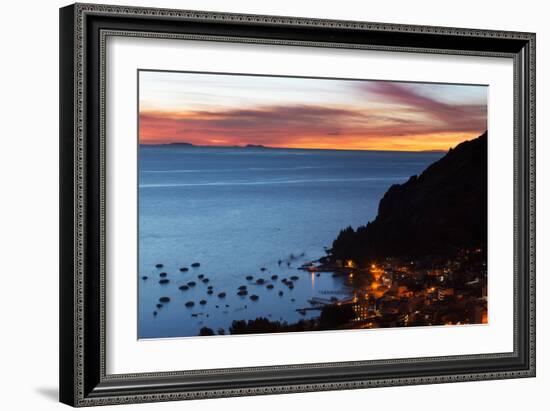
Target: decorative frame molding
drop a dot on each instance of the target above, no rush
(84, 29)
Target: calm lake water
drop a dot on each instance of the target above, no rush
(236, 210)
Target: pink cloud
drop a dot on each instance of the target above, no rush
(458, 117)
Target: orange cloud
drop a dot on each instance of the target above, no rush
(418, 124)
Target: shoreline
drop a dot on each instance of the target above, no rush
(365, 309)
(394, 293)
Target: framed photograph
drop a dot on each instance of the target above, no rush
(261, 204)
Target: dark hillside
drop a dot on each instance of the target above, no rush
(438, 212)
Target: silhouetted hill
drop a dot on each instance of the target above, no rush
(181, 144)
(438, 212)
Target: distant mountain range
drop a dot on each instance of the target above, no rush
(185, 144)
(441, 210)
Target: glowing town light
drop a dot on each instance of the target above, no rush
(350, 264)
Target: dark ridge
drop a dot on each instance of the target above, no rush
(437, 213)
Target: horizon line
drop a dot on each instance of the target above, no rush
(183, 143)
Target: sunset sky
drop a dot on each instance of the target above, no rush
(227, 110)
